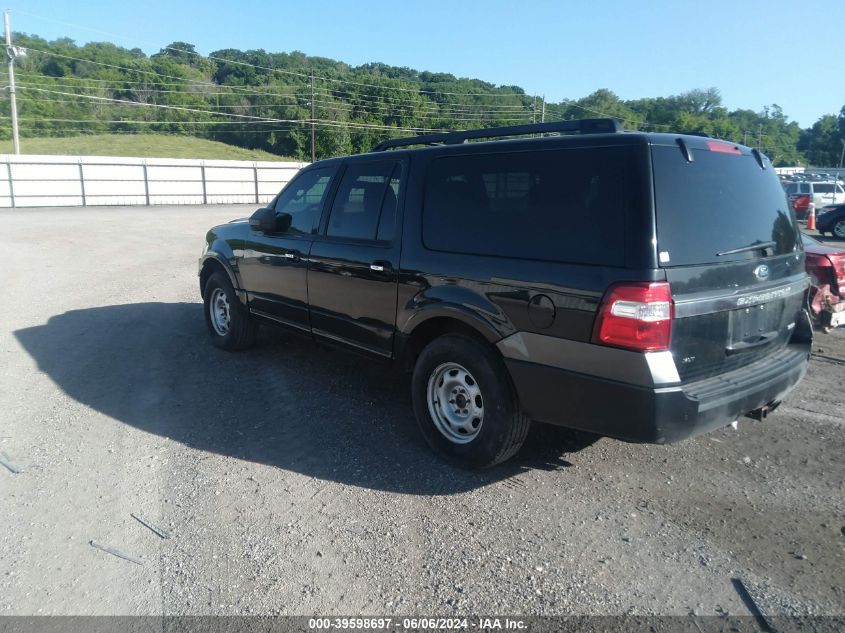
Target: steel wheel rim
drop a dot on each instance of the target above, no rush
(455, 403)
(218, 309)
(839, 228)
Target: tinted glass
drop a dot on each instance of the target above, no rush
(821, 187)
(717, 203)
(565, 205)
(387, 219)
(303, 199)
(793, 188)
(359, 199)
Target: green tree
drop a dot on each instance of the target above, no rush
(822, 142)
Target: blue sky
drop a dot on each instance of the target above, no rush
(756, 53)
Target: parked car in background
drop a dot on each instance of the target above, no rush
(826, 267)
(831, 219)
(800, 205)
(821, 193)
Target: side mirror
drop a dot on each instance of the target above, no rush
(267, 220)
(283, 221)
(263, 220)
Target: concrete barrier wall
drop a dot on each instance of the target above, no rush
(55, 181)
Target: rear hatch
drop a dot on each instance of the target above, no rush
(730, 248)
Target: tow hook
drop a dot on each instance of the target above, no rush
(759, 414)
(763, 412)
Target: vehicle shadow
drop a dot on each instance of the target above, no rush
(287, 403)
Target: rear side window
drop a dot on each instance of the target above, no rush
(716, 203)
(387, 221)
(823, 188)
(564, 205)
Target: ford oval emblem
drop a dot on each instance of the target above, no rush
(762, 272)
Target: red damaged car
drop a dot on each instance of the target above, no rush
(826, 267)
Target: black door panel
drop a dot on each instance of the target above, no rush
(350, 301)
(275, 275)
(353, 270)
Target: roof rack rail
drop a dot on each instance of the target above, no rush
(584, 126)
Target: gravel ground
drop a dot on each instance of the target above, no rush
(291, 479)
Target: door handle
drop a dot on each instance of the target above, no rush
(742, 346)
(292, 255)
(381, 267)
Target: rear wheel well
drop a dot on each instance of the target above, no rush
(209, 267)
(429, 330)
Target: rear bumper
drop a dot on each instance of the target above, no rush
(638, 413)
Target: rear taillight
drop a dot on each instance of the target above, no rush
(838, 261)
(636, 315)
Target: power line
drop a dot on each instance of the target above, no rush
(88, 132)
(447, 106)
(480, 118)
(334, 92)
(454, 114)
(385, 110)
(321, 122)
(157, 105)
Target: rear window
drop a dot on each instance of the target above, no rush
(564, 205)
(717, 203)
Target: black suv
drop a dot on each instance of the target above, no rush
(647, 287)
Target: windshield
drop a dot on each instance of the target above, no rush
(715, 204)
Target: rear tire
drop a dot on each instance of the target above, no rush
(838, 229)
(465, 405)
(228, 321)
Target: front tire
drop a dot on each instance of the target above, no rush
(838, 229)
(228, 321)
(465, 405)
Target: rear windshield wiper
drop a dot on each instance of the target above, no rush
(755, 246)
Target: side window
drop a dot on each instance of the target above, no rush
(303, 199)
(387, 218)
(567, 205)
(360, 198)
(823, 188)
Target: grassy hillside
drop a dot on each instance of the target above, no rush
(141, 145)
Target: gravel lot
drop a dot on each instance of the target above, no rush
(291, 478)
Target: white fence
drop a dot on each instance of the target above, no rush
(49, 181)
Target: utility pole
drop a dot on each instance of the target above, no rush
(842, 155)
(11, 53)
(534, 110)
(313, 129)
(543, 110)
